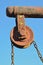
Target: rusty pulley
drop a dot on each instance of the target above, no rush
(21, 35)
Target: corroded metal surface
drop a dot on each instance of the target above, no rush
(22, 43)
(34, 12)
(21, 35)
(20, 24)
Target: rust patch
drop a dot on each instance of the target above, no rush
(22, 43)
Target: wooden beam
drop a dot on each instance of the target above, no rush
(28, 12)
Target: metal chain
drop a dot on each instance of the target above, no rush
(38, 52)
(12, 54)
(36, 47)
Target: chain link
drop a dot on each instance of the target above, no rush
(38, 52)
(12, 54)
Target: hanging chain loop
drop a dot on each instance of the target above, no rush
(36, 47)
(38, 52)
(12, 54)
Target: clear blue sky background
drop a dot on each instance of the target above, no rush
(26, 56)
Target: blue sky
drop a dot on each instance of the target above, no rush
(26, 56)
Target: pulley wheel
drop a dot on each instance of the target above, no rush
(21, 43)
